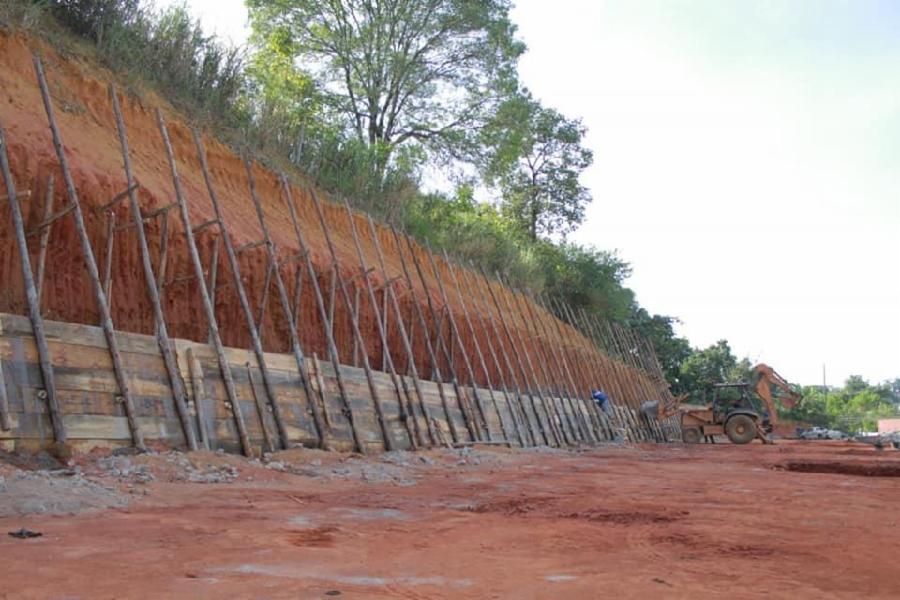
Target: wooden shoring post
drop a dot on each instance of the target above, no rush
(610, 334)
(176, 384)
(592, 355)
(454, 334)
(528, 381)
(568, 385)
(44, 241)
(438, 341)
(556, 360)
(516, 409)
(298, 292)
(196, 374)
(5, 423)
(590, 325)
(233, 403)
(264, 301)
(626, 366)
(163, 263)
(507, 434)
(557, 428)
(354, 324)
(284, 302)
(627, 356)
(332, 295)
(624, 390)
(235, 269)
(588, 356)
(579, 365)
(333, 355)
(572, 365)
(213, 277)
(621, 389)
(108, 256)
(260, 411)
(401, 388)
(538, 346)
(639, 355)
(355, 354)
(385, 315)
(461, 399)
(90, 262)
(663, 384)
(410, 361)
(432, 357)
(407, 343)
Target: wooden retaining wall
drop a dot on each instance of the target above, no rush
(93, 414)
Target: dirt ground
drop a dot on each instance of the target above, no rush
(634, 522)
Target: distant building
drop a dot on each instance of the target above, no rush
(888, 425)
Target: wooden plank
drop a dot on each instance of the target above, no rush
(79, 335)
(94, 427)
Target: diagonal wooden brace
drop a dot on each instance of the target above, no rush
(117, 198)
(47, 222)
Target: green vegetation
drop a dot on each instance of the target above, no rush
(856, 406)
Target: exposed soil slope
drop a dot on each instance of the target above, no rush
(85, 117)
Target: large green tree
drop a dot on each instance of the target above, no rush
(536, 156)
(394, 72)
(714, 364)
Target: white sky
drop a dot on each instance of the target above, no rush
(747, 163)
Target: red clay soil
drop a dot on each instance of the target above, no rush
(84, 113)
(658, 521)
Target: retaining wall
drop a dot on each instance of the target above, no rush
(93, 415)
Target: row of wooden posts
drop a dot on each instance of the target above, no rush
(549, 362)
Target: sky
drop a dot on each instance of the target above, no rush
(746, 164)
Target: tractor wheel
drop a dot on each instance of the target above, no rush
(690, 435)
(740, 429)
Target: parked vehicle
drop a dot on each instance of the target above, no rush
(822, 433)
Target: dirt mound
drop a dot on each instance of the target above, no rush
(864, 469)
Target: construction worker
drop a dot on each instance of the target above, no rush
(602, 401)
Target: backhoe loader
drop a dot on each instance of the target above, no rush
(734, 410)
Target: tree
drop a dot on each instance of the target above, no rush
(671, 349)
(400, 71)
(711, 365)
(585, 277)
(536, 157)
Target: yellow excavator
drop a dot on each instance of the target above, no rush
(733, 411)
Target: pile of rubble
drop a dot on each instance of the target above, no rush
(58, 491)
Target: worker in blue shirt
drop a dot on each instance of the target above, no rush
(602, 401)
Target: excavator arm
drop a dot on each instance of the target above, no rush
(766, 378)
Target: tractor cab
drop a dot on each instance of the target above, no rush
(736, 398)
